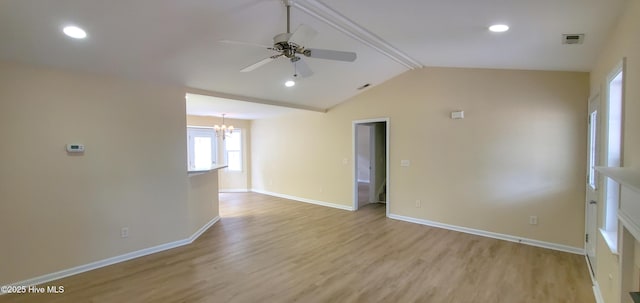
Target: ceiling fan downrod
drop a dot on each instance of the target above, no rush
(288, 18)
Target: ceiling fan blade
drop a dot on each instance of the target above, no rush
(302, 35)
(259, 63)
(330, 54)
(244, 43)
(302, 69)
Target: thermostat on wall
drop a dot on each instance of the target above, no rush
(75, 148)
(457, 115)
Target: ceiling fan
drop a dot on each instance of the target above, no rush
(292, 45)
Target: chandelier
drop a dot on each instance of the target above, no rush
(223, 130)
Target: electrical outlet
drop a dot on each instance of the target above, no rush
(533, 220)
(418, 204)
(124, 232)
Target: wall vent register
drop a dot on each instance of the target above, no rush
(572, 38)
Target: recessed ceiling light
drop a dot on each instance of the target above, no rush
(290, 83)
(74, 32)
(499, 28)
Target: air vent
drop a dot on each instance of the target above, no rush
(572, 38)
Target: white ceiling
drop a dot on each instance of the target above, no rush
(179, 41)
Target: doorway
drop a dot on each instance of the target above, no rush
(591, 206)
(605, 130)
(371, 159)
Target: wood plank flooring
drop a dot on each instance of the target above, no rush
(267, 249)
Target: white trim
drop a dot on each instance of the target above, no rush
(611, 238)
(202, 229)
(629, 223)
(117, 259)
(234, 190)
(629, 177)
(532, 242)
(305, 200)
(597, 293)
(338, 21)
(596, 287)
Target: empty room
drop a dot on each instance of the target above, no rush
(320, 151)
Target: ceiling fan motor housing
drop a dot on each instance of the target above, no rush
(282, 38)
(281, 43)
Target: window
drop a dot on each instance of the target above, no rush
(201, 148)
(593, 126)
(613, 156)
(233, 150)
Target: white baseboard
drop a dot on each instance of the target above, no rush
(117, 259)
(202, 229)
(234, 190)
(594, 283)
(543, 244)
(596, 293)
(305, 200)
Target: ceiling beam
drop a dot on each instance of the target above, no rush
(338, 21)
(209, 93)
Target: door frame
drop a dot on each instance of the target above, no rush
(365, 132)
(372, 164)
(354, 142)
(591, 208)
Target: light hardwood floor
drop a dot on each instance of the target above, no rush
(267, 249)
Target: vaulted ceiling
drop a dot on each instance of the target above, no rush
(181, 42)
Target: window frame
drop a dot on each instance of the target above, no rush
(240, 136)
(610, 193)
(200, 131)
(593, 148)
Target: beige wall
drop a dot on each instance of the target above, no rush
(230, 180)
(58, 210)
(623, 42)
(203, 200)
(520, 150)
